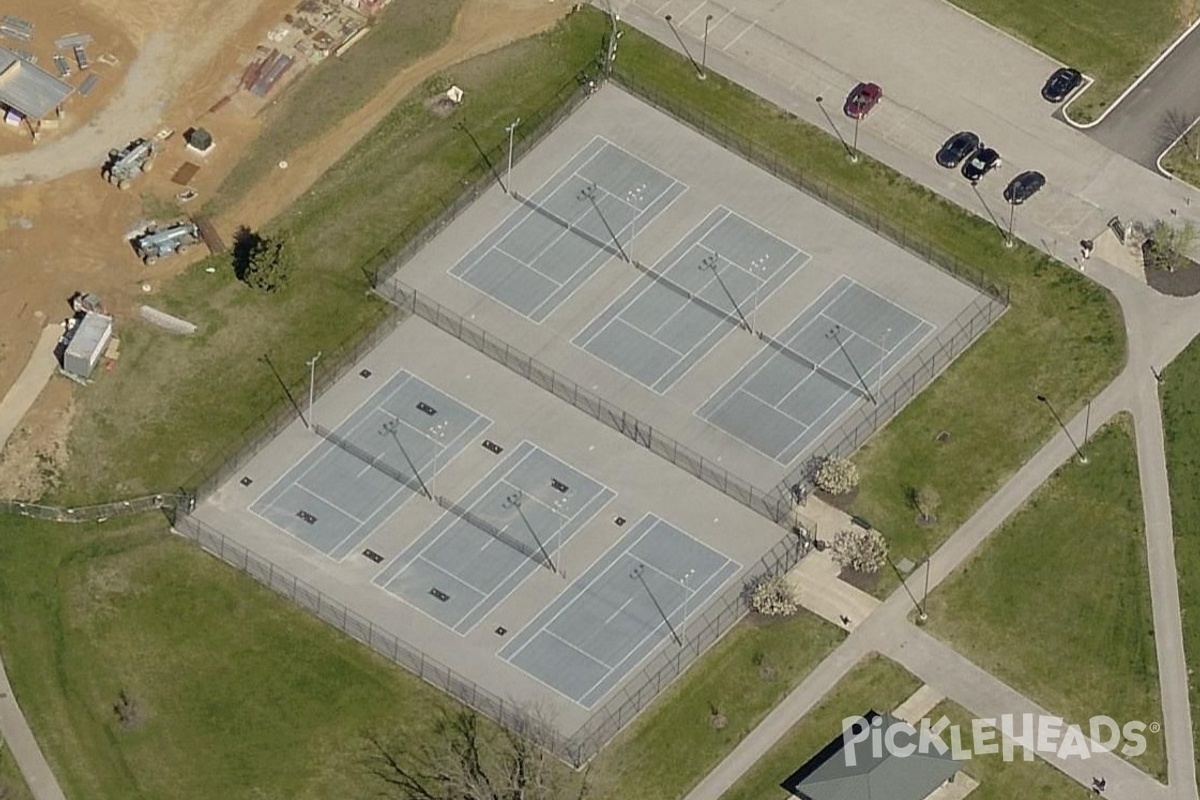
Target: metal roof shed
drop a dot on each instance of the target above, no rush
(28, 89)
(87, 344)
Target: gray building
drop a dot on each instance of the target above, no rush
(828, 775)
(29, 90)
(88, 340)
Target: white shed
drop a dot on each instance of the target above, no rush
(87, 344)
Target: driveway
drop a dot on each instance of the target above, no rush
(1158, 110)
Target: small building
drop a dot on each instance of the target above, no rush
(833, 775)
(29, 91)
(88, 340)
(198, 139)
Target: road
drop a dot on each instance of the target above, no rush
(1158, 109)
(790, 54)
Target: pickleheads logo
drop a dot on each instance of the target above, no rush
(869, 739)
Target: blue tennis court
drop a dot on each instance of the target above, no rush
(512, 523)
(360, 473)
(555, 240)
(632, 600)
(835, 354)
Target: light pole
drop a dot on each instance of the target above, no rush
(854, 155)
(1012, 213)
(671, 24)
(508, 175)
(833, 334)
(312, 376)
(851, 153)
(438, 434)
(1046, 401)
(704, 52)
(638, 574)
(687, 593)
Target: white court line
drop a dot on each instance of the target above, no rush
(733, 41)
(579, 650)
(529, 266)
(620, 610)
(416, 607)
(322, 498)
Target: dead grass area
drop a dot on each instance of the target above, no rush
(35, 457)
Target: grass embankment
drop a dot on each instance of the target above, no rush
(177, 407)
(1183, 160)
(1181, 424)
(404, 32)
(1062, 337)
(243, 695)
(1057, 601)
(1101, 38)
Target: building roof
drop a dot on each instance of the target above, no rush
(913, 777)
(30, 89)
(89, 334)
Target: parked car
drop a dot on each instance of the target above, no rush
(1064, 81)
(959, 146)
(1023, 187)
(983, 161)
(860, 101)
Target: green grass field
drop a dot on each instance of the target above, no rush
(1181, 424)
(874, 684)
(1102, 38)
(177, 407)
(12, 785)
(1183, 160)
(1063, 336)
(673, 745)
(400, 36)
(1057, 601)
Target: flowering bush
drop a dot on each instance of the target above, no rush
(859, 550)
(774, 597)
(837, 476)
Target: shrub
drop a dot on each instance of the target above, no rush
(837, 476)
(774, 597)
(859, 550)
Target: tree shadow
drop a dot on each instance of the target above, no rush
(244, 242)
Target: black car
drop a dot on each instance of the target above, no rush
(1023, 187)
(1064, 81)
(957, 147)
(983, 161)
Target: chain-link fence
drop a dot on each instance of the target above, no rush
(700, 633)
(775, 506)
(96, 513)
(781, 167)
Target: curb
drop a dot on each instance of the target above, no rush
(1128, 89)
(1158, 161)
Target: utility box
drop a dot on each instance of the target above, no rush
(87, 344)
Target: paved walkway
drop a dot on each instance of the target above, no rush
(24, 393)
(789, 53)
(24, 747)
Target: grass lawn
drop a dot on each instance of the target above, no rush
(176, 407)
(1099, 37)
(1001, 780)
(12, 784)
(673, 745)
(240, 694)
(1057, 602)
(875, 684)
(1181, 423)
(1183, 160)
(401, 35)
(1063, 337)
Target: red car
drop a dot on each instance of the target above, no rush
(860, 102)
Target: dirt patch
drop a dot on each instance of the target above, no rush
(482, 26)
(1182, 282)
(36, 454)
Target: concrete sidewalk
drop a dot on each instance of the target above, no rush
(24, 747)
(30, 382)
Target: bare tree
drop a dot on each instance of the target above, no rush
(1178, 126)
(465, 760)
(1170, 246)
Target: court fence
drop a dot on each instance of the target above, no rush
(770, 160)
(96, 513)
(713, 621)
(775, 506)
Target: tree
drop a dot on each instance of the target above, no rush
(262, 262)
(774, 596)
(860, 550)
(837, 476)
(1169, 246)
(466, 760)
(927, 501)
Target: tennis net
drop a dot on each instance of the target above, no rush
(780, 347)
(377, 463)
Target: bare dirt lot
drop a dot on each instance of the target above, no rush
(66, 235)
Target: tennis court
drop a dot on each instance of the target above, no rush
(831, 356)
(359, 474)
(512, 523)
(554, 241)
(634, 598)
(707, 286)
